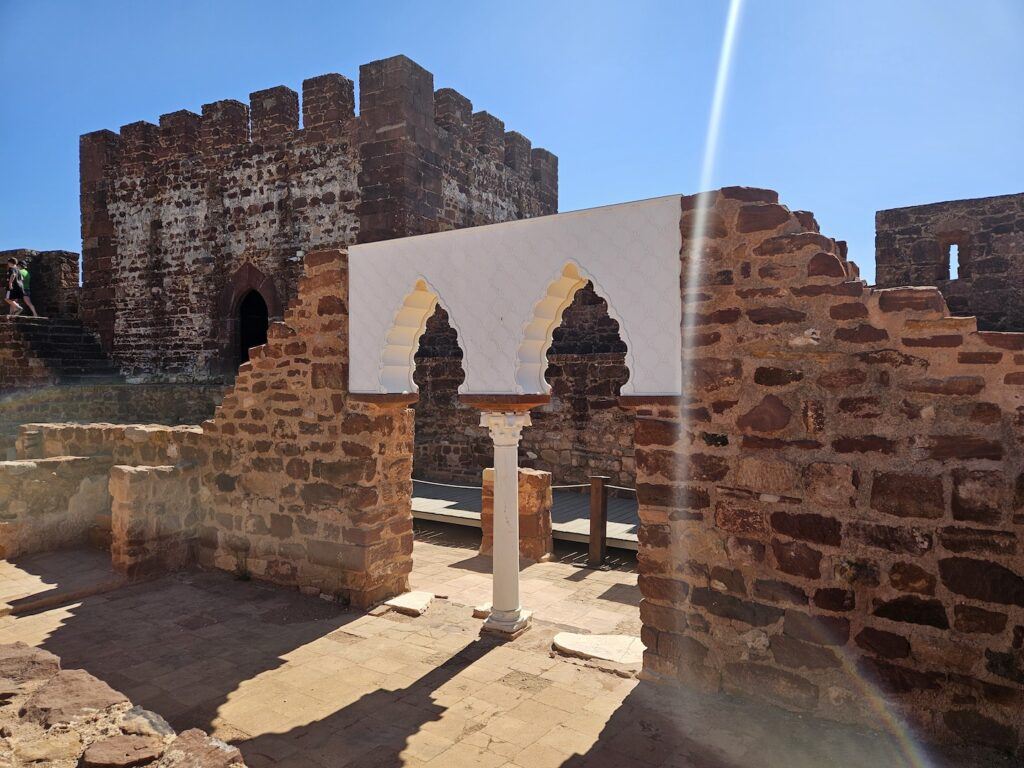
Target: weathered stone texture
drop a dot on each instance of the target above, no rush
(535, 541)
(181, 220)
(50, 503)
(55, 717)
(912, 247)
(841, 484)
(155, 515)
(292, 481)
(110, 403)
(302, 484)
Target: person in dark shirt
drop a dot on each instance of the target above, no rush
(13, 286)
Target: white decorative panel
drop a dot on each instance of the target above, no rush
(505, 287)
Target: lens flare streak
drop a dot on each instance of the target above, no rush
(912, 753)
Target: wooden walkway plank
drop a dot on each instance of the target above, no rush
(570, 516)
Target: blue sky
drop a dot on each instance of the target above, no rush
(843, 107)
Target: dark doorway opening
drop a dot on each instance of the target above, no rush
(253, 320)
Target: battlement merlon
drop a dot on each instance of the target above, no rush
(274, 115)
(224, 124)
(179, 134)
(396, 96)
(328, 106)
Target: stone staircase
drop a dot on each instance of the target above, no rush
(42, 350)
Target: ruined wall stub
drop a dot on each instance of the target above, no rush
(915, 246)
(306, 485)
(839, 499)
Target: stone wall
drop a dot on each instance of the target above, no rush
(304, 485)
(53, 286)
(135, 445)
(912, 247)
(50, 503)
(115, 403)
(582, 432)
(20, 368)
(292, 481)
(154, 518)
(148, 516)
(181, 220)
(839, 500)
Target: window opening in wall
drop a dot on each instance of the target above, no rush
(253, 320)
(954, 261)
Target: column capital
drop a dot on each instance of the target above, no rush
(506, 427)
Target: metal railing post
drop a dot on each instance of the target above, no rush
(598, 521)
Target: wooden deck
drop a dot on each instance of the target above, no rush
(570, 517)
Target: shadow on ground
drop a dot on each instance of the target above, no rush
(189, 645)
(681, 729)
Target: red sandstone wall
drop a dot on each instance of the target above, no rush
(180, 219)
(912, 247)
(854, 496)
(302, 485)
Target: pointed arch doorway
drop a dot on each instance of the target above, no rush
(253, 321)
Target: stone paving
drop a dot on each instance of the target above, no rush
(36, 581)
(561, 592)
(296, 681)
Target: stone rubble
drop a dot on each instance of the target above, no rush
(54, 718)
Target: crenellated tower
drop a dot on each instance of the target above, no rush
(183, 220)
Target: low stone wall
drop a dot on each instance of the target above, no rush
(50, 503)
(128, 444)
(147, 471)
(833, 519)
(116, 403)
(154, 518)
(66, 717)
(535, 502)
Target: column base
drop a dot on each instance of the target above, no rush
(507, 624)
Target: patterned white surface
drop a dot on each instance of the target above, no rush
(494, 282)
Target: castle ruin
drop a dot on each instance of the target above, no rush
(830, 493)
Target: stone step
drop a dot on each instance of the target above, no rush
(64, 347)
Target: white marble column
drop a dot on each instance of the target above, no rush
(507, 615)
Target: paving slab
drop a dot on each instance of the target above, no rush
(411, 603)
(622, 649)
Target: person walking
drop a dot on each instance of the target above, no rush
(13, 287)
(26, 278)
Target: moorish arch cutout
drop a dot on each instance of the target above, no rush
(547, 317)
(491, 278)
(398, 358)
